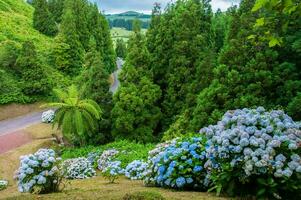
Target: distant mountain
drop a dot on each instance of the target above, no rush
(125, 19)
(129, 15)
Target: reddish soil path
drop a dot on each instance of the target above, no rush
(13, 140)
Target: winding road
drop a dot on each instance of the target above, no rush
(116, 84)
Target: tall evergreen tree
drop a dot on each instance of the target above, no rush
(42, 18)
(120, 48)
(100, 30)
(33, 78)
(250, 73)
(95, 85)
(56, 8)
(181, 54)
(68, 53)
(136, 114)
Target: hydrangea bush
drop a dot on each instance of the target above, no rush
(78, 168)
(106, 157)
(136, 170)
(3, 184)
(93, 157)
(112, 171)
(39, 172)
(179, 165)
(48, 116)
(256, 152)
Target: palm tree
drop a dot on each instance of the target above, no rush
(75, 117)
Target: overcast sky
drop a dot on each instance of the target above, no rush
(145, 6)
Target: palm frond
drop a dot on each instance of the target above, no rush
(96, 106)
(73, 92)
(67, 123)
(90, 108)
(79, 124)
(91, 122)
(61, 94)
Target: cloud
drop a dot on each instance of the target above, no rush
(117, 6)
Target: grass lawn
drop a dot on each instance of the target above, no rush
(98, 188)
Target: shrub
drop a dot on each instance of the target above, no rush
(106, 157)
(3, 184)
(112, 171)
(136, 170)
(48, 116)
(78, 168)
(39, 172)
(257, 152)
(145, 195)
(179, 165)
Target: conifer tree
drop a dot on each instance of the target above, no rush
(56, 8)
(120, 48)
(68, 53)
(42, 18)
(33, 77)
(100, 30)
(182, 50)
(250, 73)
(95, 85)
(136, 114)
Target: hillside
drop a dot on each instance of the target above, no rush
(16, 24)
(16, 28)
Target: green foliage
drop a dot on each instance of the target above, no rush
(56, 8)
(68, 52)
(270, 11)
(76, 118)
(134, 151)
(34, 79)
(120, 48)
(135, 113)
(293, 107)
(179, 40)
(145, 195)
(43, 21)
(95, 85)
(250, 73)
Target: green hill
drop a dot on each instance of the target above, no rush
(15, 28)
(16, 24)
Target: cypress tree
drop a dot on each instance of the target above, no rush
(182, 48)
(95, 85)
(120, 48)
(250, 73)
(136, 113)
(56, 8)
(68, 53)
(33, 78)
(42, 18)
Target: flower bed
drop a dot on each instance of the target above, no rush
(257, 153)
(38, 172)
(78, 168)
(112, 171)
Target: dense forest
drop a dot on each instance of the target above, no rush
(190, 67)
